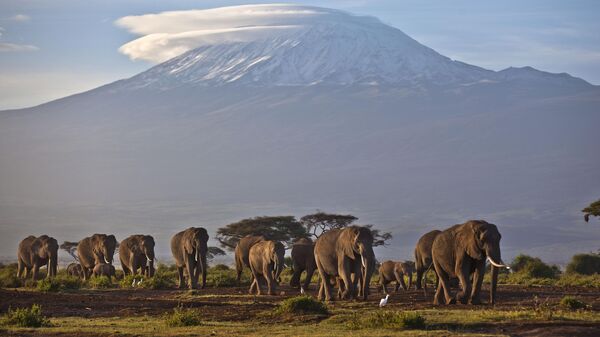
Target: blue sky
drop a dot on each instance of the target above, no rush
(50, 49)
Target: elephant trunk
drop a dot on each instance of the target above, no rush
(493, 284)
(199, 266)
(107, 257)
(52, 265)
(368, 263)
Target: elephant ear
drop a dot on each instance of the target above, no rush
(346, 241)
(188, 240)
(468, 234)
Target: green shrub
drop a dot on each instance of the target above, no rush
(585, 264)
(48, 285)
(100, 282)
(8, 276)
(158, 281)
(221, 278)
(220, 267)
(183, 317)
(127, 281)
(578, 280)
(534, 267)
(572, 303)
(387, 320)
(25, 317)
(302, 305)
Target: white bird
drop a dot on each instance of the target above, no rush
(302, 290)
(384, 301)
(133, 283)
(140, 282)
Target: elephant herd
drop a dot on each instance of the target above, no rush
(342, 257)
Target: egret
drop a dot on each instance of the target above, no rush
(302, 290)
(140, 282)
(384, 301)
(133, 283)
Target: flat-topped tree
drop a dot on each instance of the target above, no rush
(320, 222)
(592, 210)
(284, 229)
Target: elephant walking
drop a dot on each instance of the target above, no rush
(104, 269)
(423, 259)
(242, 251)
(461, 251)
(266, 259)
(36, 252)
(303, 259)
(137, 252)
(390, 271)
(189, 249)
(342, 252)
(98, 248)
(74, 269)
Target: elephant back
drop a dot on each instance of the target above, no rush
(25, 251)
(242, 249)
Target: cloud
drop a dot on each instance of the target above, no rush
(168, 34)
(20, 18)
(13, 47)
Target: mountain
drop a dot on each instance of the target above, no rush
(335, 112)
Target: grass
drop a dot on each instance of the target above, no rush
(59, 283)
(183, 317)
(100, 282)
(25, 317)
(387, 319)
(302, 305)
(572, 303)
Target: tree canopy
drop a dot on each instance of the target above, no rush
(285, 229)
(214, 252)
(71, 248)
(321, 222)
(592, 210)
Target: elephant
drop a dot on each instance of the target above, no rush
(189, 248)
(36, 252)
(242, 250)
(395, 271)
(104, 269)
(342, 252)
(423, 260)
(74, 269)
(98, 248)
(266, 260)
(461, 251)
(137, 251)
(303, 258)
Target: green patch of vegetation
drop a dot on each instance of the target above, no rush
(387, 320)
(570, 280)
(159, 281)
(59, 283)
(534, 267)
(220, 267)
(221, 278)
(572, 303)
(183, 317)
(584, 264)
(100, 282)
(302, 305)
(25, 317)
(8, 276)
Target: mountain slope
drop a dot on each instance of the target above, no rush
(342, 114)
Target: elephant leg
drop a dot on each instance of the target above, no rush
(309, 275)
(320, 294)
(204, 267)
(420, 276)
(181, 279)
(477, 281)
(325, 282)
(409, 281)
(20, 269)
(443, 285)
(399, 280)
(465, 283)
(344, 272)
(269, 279)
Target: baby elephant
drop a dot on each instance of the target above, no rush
(75, 269)
(390, 271)
(266, 263)
(104, 269)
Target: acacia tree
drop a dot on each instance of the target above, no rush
(71, 248)
(214, 252)
(592, 210)
(285, 229)
(320, 222)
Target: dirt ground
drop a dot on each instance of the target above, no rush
(234, 304)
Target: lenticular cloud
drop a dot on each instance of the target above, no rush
(168, 34)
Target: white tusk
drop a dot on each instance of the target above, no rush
(498, 265)
(149, 259)
(364, 263)
(105, 260)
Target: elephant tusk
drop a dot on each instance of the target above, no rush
(105, 260)
(364, 263)
(498, 265)
(149, 259)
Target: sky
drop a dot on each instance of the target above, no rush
(51, 49)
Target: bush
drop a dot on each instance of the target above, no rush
(578, 280)
(220, 267)
(387, 320)
(8, 276)
(183, 317)
(100, 282)
(158, 281)
(48, 285)
(572, 303)
(585, 264)
(302, 305)
(534, 267)
(221, 278)
(25, 317)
